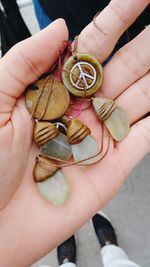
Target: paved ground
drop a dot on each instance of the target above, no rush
(130, 214)
(129, 211)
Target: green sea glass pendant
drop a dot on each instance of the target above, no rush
(55, 189)
(115, 118)
(57, 147)
(87, 148)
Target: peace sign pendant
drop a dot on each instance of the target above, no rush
(82, 75)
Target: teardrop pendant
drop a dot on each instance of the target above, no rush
(77, 131)
(57, 147)
(44, 131)
(87, 148)
(83, 145)
(114, 117)
(44, 168)
(51, 181)
(55, 189)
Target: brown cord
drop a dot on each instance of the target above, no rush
(64, 163)
(38, 97)
(75, 109)
(49, 93)
(95, 23)
(74, 51)
(62, 46)
(51, 72)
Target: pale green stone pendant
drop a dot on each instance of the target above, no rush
(85, 149)
(118, 124)
(114, 117)
(55, 189)
(57, 147)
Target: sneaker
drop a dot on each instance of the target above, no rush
(66, 252)
(104, 230)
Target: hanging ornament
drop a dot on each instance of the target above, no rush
(44, 168)
(44, 131)
(77, 131)
(56, 189)
(83, 145)
(51, 181)
(88, 148)
(58, 147)
(52, 142)
(82, 75)
(114, 117)
(47, 99)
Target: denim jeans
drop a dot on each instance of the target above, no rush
(42, 18)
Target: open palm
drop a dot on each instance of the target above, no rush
(29, 225)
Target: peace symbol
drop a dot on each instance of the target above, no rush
(83, 80)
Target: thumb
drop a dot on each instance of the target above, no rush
(28, 60)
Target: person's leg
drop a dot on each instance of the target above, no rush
(66, 253)
(42, 18)
(68, 264)
(112, 254)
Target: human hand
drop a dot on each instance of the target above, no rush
(30, 222)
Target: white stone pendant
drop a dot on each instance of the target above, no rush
(86, 149)
(55, 189)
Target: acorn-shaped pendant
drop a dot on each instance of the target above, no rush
(51, 141)
(51, 181)
(44, 131)
(114, 117)
(83, 145)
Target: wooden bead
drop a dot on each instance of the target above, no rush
(50, 98)
(44, 131)
(83, 75)
(77, 131)
(44, 168)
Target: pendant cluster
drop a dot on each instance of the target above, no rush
(60, 137)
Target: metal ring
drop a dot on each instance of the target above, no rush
(62, 125)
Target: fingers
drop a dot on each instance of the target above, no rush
(25, 62)
(135, 146)
(128, 65)
(114, 20)
(127, 154)
(136, 99)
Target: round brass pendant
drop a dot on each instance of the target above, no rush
(83, 75)
(51, 104)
